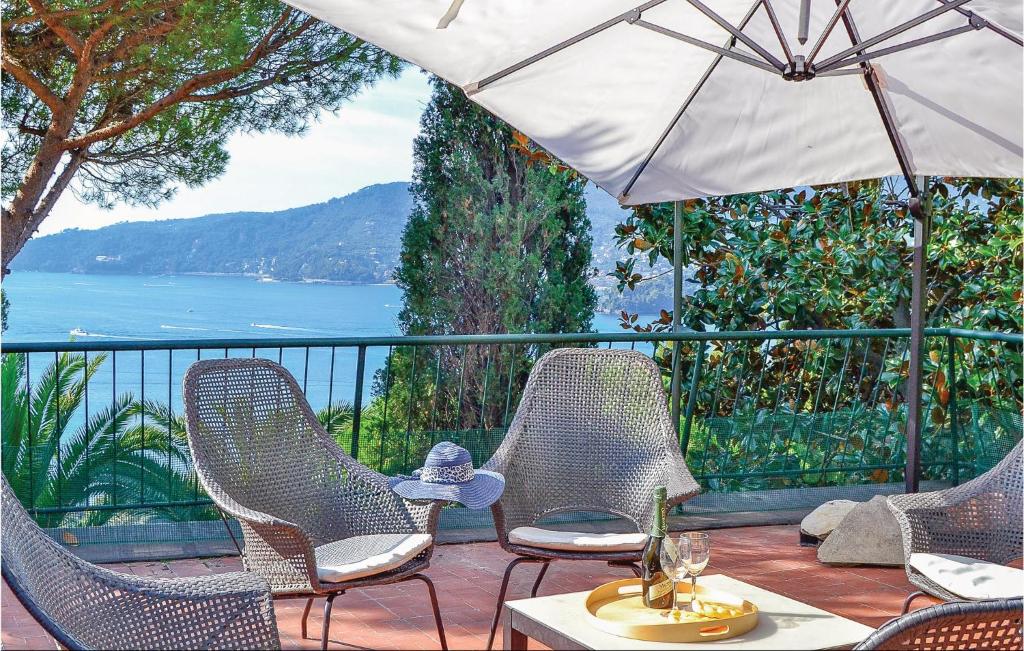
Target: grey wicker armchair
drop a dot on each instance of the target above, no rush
(980, 519)
(315, 522)
(88, 607)
(592, 433)
(959, 625)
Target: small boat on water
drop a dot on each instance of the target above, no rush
(78, 332)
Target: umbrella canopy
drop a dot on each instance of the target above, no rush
(678, 99)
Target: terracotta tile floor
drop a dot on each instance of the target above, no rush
(467, 578)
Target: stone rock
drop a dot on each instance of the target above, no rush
(868, 535)
(820, 522)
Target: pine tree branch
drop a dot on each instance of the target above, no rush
(56, 25)
(134, 39)
(270, 80)
(61, 184)
(14, 68)
(32, 131)
(28, 19)
(267, 45)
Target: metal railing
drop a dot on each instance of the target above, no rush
(93, 432)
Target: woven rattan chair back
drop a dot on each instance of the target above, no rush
(1000, 504)
(982, 518)
(88, 607)
(957, 625)
(265, 460)
(591, 433)
(256, 441)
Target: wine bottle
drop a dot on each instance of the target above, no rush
(657, 587)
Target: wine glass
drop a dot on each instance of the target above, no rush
(673, 564)
(696, 559)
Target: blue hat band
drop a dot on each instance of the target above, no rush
(447, 474)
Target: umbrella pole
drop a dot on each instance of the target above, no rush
(677, 305)
(922, 230)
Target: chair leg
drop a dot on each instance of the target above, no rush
(231, 533)
(437, 610)
(630, 564)
(501, 593)
(540, 577)
(909, 600)
(305, 616)
(325, 631)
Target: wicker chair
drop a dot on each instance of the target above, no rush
(992, 624)
(980, 519)
(87, 607)
(316, 522)
(592, 434)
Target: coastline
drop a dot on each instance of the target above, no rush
(271, 279)
(47, 306)
(609, 301)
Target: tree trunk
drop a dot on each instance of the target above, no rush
(36, 196)
(901, 314)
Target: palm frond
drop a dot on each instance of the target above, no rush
(336, 418)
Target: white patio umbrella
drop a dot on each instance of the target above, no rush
(678, 99)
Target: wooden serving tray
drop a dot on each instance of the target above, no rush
(618, 608)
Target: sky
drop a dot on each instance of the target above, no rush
(368, 141)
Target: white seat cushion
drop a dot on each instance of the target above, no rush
(970, 578)
(361, 556)
(574, 541)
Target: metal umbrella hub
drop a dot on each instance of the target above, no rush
(796, 67)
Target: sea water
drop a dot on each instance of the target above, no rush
(58, 307)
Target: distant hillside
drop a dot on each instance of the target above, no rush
(604, 213)
(356, 238)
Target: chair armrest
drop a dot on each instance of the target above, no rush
(681, 484)
(233, 610)
(100, 608)
(279, 551)
(379, 509)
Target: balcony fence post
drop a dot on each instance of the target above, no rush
(357, 401)
(954, 417)
(691, 398)
(677, 308)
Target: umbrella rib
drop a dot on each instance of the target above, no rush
(829, 26)
(884, 112)
(749, 42)
(682, 109)
(839, 72)
(998, 29)
(732, 54)
(778, 29)
(889, 33)
(898, 48)
(626, 16)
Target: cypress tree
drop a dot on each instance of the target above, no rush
(496, 243)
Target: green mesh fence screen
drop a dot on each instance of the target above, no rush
(94, 442)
